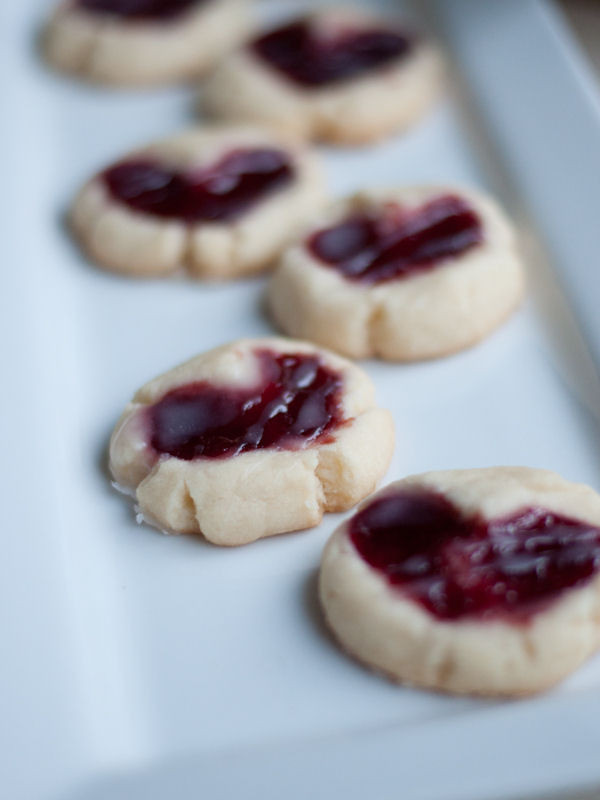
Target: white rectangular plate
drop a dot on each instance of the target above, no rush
(136, 665)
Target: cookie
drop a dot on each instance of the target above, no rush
(255, 438)
(483, 581)
(400, 274)
(341, 75)
(142, 42)
(218, 202)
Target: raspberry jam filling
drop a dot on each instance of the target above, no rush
(398, 242)
(458, 566)
(297, 401)
(314, 58)
(139, 9)
(221, 192)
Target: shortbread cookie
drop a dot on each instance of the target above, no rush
(340, 74)
(255, 438)
(483, 581)
(143, 42)
(401, 274)
(218, 202)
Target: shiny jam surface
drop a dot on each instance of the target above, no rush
(312, 58)
(139, 9)
(457, 566)
(297, 401)
(221, 192)
(398, 242)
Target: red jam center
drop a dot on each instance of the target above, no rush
(312, 58)
(373, 249)
(139, 9)
(217, 193)
(297, 401)
(457, 566)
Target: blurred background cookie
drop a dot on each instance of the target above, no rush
(401, 274)
(341, 75)
(219, 202)
(143, 42)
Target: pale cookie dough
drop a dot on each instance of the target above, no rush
(236, 499)
(140, 243)
(423, 314)
(518, 648)
(361, 108)
(116, 50)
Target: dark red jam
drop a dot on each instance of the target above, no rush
(459, 566)
(313, 58)
(217, 193)
(398, 242)
(296, 402)
(139, 9)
